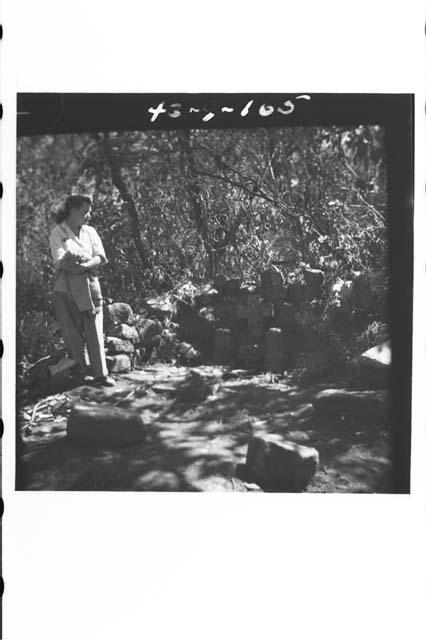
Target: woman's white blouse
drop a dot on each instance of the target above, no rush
(63, 239)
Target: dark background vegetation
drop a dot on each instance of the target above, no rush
(186, 205)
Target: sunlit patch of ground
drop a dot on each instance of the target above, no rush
(197, 437)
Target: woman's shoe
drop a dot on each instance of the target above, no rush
(104, 381)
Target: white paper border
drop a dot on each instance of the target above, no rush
(212, 566)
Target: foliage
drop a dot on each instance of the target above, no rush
(178, 206)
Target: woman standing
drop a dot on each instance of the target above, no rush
(77, 254)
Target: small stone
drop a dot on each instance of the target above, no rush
(119, 313)
(118, 364)
(279, 465)
(126, 332)
(117, 345)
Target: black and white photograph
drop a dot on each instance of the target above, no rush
(213, 320)
(210, 300)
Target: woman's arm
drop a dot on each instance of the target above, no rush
(93, 263)
(87, 265)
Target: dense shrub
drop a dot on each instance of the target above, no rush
(185, 206)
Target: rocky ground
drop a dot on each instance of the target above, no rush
(198, 423)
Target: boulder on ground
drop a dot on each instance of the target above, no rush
(356, 404)
(120, 363)
(119, 313)
(117, 345)
(104, 426)
(126, 332)
(279, 465)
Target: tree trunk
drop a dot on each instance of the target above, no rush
(119, 183)
(200, 219)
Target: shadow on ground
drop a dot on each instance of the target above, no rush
(196, 444)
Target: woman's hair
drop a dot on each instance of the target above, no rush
(72, 202)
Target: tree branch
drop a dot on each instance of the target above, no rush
(119, 183)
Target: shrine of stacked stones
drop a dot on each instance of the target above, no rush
(258, 327)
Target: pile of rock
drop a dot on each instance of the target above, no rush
(257, 326)
(134, 338)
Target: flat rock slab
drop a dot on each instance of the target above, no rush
(94, 425)
(344, 402)
(279, 465)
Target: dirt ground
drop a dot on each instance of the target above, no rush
(197, 439)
